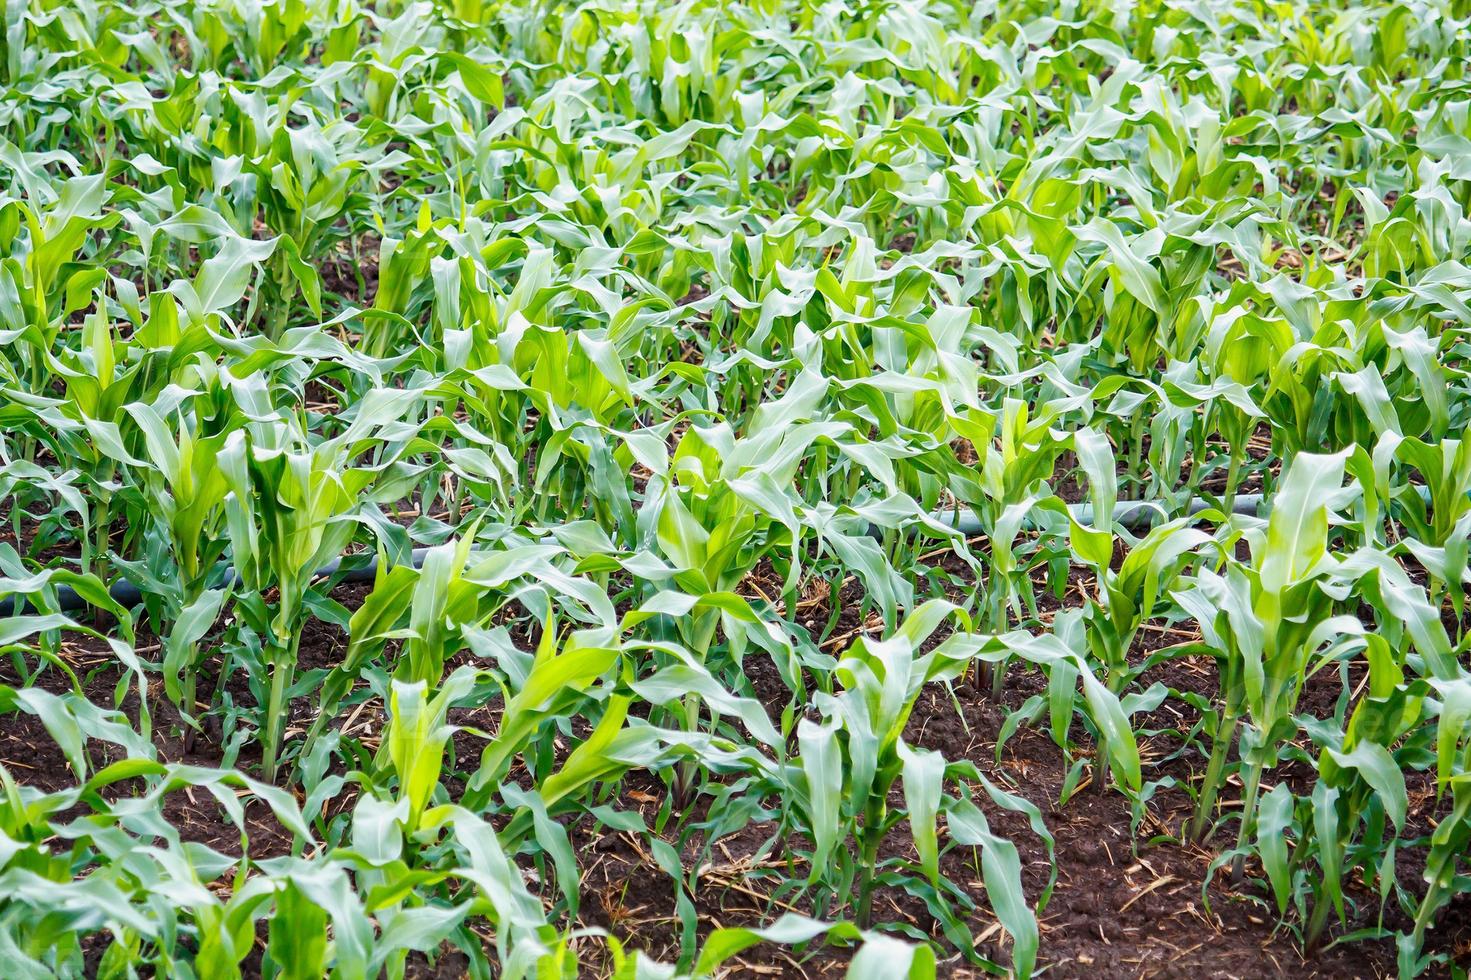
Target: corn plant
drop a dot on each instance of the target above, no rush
(859, 744)
(189, 492)
(289, 511)
(1266, 621)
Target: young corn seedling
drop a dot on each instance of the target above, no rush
(851, 759)
(712, 535)
(46, 248)
(188, 490)
(1011, 480)
(1265, 621)
(1357, 811)
(1452, 835)
(99, 380)
(289, 512)
(1126, 596)
(1437, 519)
(418, 732)
(1062, 655)
(562, 674)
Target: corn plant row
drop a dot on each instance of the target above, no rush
(628, 355)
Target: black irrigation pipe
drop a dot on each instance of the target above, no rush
(128, 594)
(1129, 513)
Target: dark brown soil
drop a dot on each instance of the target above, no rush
(354, 279)
(1121, 907)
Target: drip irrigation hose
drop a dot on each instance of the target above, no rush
(128, 594)
(1131, 514)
